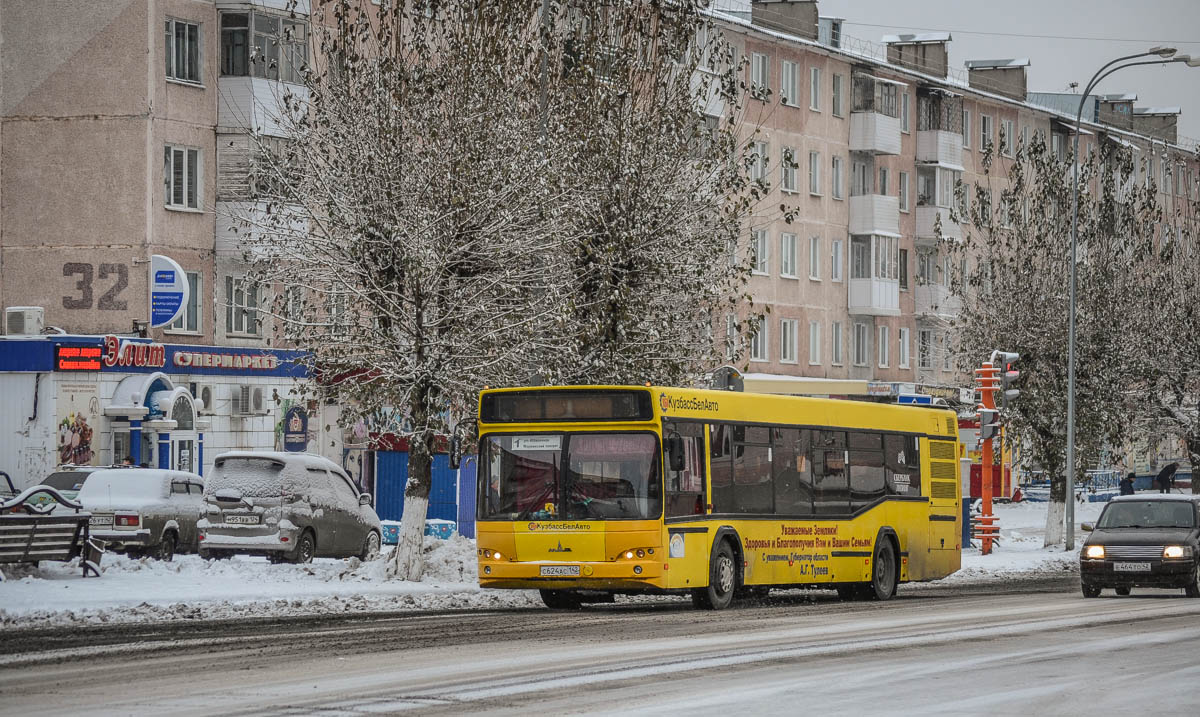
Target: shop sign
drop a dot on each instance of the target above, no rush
(168, 290)
(77, 358)
(881, 389)
(133, 353)
(295, 429)
(205, 359)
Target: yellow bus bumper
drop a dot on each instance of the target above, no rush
(614, 575)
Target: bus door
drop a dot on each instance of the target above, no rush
(945, 519)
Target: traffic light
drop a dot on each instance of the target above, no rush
(989, 423)
(1010, 375)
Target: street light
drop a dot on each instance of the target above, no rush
(1166, 55)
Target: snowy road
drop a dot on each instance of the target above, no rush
(1031, 647)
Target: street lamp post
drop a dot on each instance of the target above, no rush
(1165, 54)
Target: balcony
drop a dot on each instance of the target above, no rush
(874, 297)
(940, 147)
(874, 132)
(935, 301)
(255, 104)
(238, 222)
(875, 214)
(927, 217)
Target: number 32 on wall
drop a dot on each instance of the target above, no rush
(108, 300)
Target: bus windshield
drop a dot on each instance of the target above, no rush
(573, 476)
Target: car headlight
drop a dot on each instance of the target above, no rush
(1177, 551)
(1095, 552)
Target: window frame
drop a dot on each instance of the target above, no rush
(925, 349)
(860, 348)
(966, 128)
(814, 342)
(787, 168)
(759, 170)
(837, 106)
(814, 89)
(787, 256)
(1007, 140)
(788, 76)
(903, 357)
(837, 171)
(281, 49)
(814, 173)
(836, 260)
(760, 71)
(192, 177)
(835, 339)
(985, 132)
(761, 240)
(788, 341)
(814, 258)
(884, 345)
(195, 60)
(238, 301)
(903, 189)
(905, 113)
(759, 350)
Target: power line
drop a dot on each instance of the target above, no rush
(1018, 34)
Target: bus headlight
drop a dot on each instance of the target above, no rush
(1095, 552)
(1177, 551)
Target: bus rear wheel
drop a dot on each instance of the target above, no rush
(722, 581)
(883, 572)
(560, 599)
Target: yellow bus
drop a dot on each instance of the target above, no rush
(586, 492)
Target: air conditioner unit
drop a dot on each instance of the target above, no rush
(248, 401)
(24, 320)
(206, 395)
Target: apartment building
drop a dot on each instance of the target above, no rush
(880, 135)
(125, 131)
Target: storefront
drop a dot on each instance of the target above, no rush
(99, 400)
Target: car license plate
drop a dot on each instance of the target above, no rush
(242, 519)
(100, 520)
(1131, 567)
(568, 571)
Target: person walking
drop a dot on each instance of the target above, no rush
(1166, 477)
(1126, 484)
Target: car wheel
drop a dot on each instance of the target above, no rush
(1122, 591)
(722, 580)
(560, 599)
(165, 550)
(370, 549)
(883, 572)
(306, 547)
(1090, 591)
(1193, 589)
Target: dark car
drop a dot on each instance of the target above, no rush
(1143, 541)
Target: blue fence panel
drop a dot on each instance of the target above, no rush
(466, 496)
(391, 475)
(443, 493)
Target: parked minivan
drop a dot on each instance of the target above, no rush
(144, 511)
(286, 506)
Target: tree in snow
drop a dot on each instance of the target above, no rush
(1015, 297)
(477, 189)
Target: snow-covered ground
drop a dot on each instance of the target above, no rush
(191, 588)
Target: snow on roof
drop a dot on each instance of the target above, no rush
(991, 64)
(1157, 110)
(917, 39)
(1124, 97)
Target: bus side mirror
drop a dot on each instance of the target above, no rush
(675, 452)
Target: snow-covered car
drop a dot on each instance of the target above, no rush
(144, 510)
(1143, 541)
(286, 506)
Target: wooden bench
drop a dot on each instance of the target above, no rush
(30, 533)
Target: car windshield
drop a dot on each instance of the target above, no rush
(254, 477)
(573, 476)
(66, 480)
(118, 483)
(1148, 514)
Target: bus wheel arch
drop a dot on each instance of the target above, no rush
(724, 572)
(885, 565)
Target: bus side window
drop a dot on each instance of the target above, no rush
(867, 483)
(793, 472)
(831, 491)
(752, 488)
(721, 470)
(902, 463)
(685, 488)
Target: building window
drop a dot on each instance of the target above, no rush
(1006, 137)
(787, 341)
(814, 343)
(762, 252)
(905, 106)
(837, 178)
(814, 89)
(814, 173)
(758, 169)
(1024, 135)
(758, 73)
(904, 191)
(883, 181)
(966, 129)
(925, 349)
(860, 257)
(280, 46)
(789, 84)
(985, 132)
(836, 330)
(787, 255)
(788, 167)
(181, 177)
(885, 344)
(835, 261)
(758, 342)
(837, 96)
(860, 179)
(814, 258)
(183, 51)
(945, 352)
(241, 306)
(860, 344)
(189, 320)
(904, 270)
(902, 348)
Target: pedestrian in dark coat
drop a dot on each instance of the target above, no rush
(1166, 477)
(1127, 484)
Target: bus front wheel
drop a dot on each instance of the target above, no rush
(722, 580)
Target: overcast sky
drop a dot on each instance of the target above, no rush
(1042, 30)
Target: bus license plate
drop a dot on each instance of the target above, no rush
(1131, 567)
(242, 519)
(568, 571)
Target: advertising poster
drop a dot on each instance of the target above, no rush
(78, 423)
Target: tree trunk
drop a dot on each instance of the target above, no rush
(1193, 444)
(1056, 511)
(407, 559)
